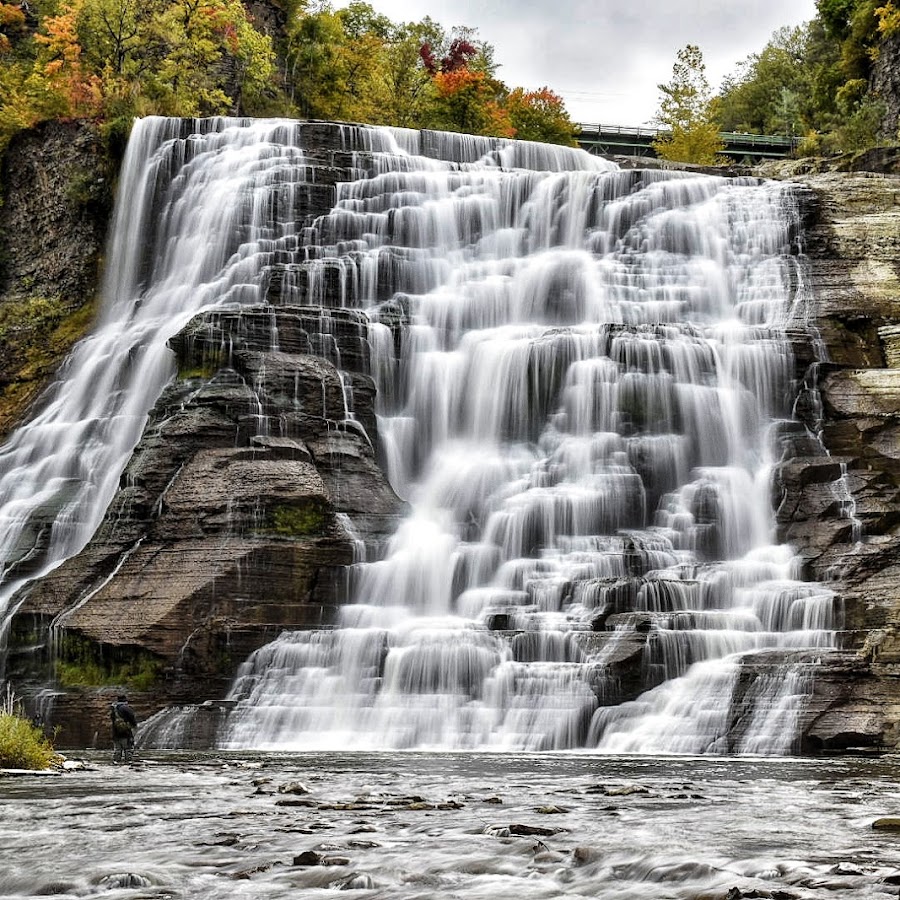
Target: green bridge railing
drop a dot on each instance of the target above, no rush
(638, 141)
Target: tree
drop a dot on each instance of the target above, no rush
(12, 23)
(540, 116)
(213, 58)
(406, 93)
(60, 74)
(687, 113)
(471, 102)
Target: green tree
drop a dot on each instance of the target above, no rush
(406, 93)
(540, 116)
(687, 113)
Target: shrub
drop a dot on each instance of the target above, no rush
(23, 745)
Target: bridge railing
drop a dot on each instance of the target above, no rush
(646, 132)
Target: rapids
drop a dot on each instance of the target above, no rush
(421, 826)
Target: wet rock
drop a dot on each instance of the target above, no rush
(314, 858)
(226, 839)
(533, 830)
(496, 831)
(245, 874)
(492, 800)
(55, 888)
(551, 810)
(308, 804)
(544, 855)
(356, 881)
(621, 790)
(363, 845)
(365, 828)
(124, 880)
(845, 868)
(888, 823)
(293, 787)
(582, 856)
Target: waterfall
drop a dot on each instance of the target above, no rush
(580, 372)
(190, 231)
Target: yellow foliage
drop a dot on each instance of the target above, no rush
(888, 19)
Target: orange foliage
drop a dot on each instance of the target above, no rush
(11, 19)
(471, 102)
(540, 116)
(61, 63)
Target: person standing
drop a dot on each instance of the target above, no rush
(124, 721)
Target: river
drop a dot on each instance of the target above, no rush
(412, 826)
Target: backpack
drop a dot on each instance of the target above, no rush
(120, 728)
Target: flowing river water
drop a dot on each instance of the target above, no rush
(453, 826)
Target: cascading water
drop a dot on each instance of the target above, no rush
(578, 370)
(580, 413)
(190, 231)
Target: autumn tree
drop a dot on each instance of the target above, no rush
(471, 102)
(12, 24)
(687, 113)
(213, 60)
(540, 116)
(406, 92)
(66, 85)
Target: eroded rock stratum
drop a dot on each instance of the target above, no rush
(224, 533)
(838, 497)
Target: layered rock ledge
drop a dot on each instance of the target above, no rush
(229, 526)
(838, 485)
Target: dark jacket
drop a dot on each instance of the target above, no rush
(124, 721)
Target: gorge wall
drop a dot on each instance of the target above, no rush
(212, 521)
(57, 196)
(852, 540)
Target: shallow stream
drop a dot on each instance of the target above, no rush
(176, 825)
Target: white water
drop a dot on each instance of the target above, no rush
(424, 826)
(582, 400)
(579, 416)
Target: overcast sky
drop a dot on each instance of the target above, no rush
(606, 58)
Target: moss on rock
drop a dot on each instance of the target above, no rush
(36, 333)
(299, 519)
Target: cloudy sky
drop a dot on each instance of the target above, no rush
(606, 58)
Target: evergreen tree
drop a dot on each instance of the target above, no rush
(687, 113)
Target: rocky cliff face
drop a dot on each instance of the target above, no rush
(885, 84)
(838, 486)
(219, 537)
(224, 532)
(53, 220)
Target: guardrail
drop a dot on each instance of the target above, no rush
(605, 138)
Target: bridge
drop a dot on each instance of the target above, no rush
(612, 140)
